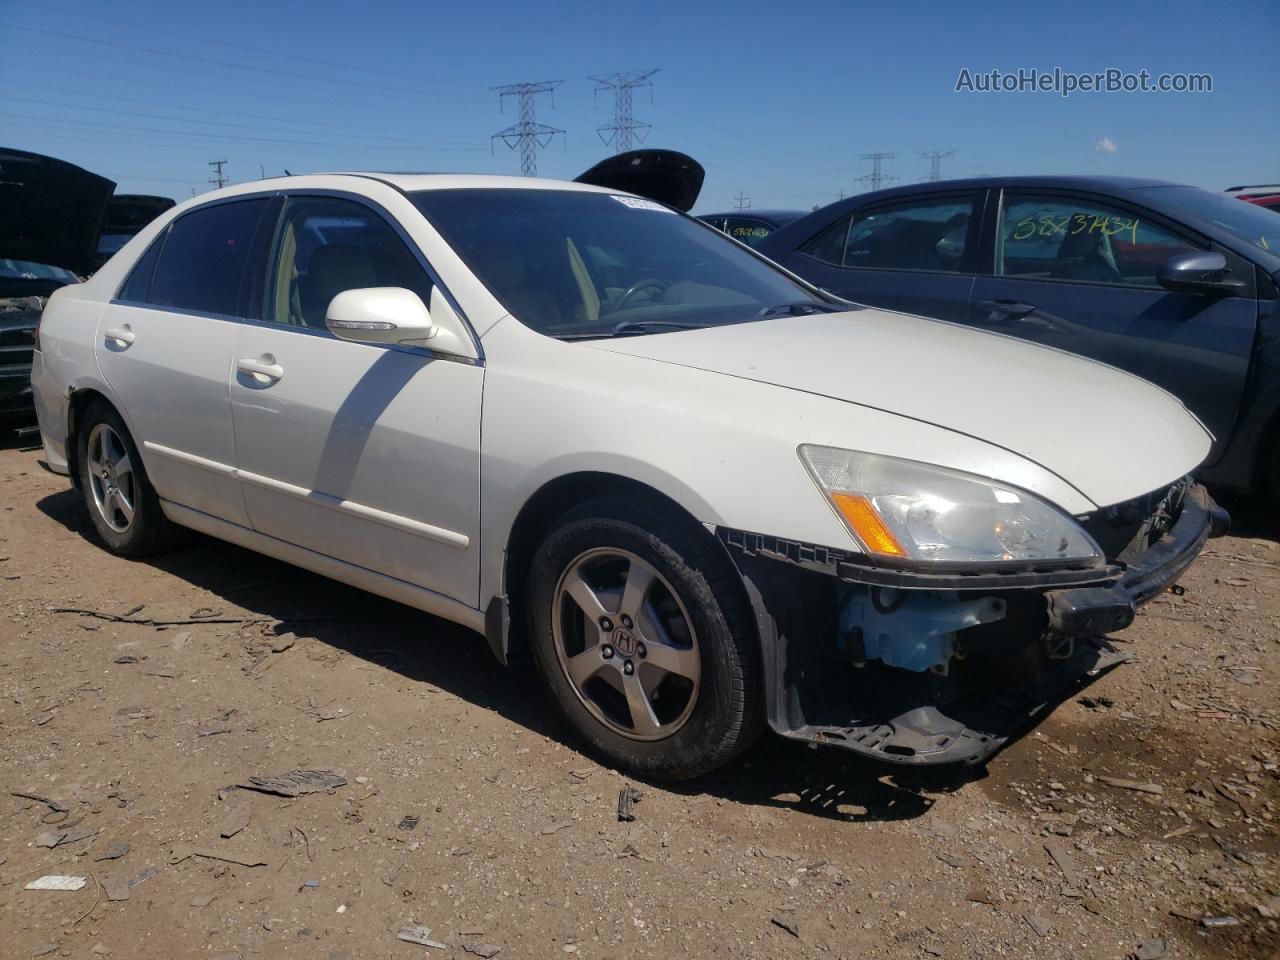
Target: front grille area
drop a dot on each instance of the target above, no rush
(1126, 529)
(18, 318)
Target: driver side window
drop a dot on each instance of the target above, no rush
(325, 245)
(1061, 238)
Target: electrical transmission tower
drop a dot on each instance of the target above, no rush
(935, 158)
(527, 133)
(877, 177)
(218, 177)
(742, 202)
(624, 132)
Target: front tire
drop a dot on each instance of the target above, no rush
(643, 634)
(122, 503)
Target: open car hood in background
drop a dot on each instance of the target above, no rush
(128, 213)
(51, 212)
(663, 175)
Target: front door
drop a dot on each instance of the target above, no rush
(165, 347)
(1079, 273)
(365, 453)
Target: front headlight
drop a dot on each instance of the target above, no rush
(904, 510)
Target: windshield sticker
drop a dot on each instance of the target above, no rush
(739, 233)
(636, 203)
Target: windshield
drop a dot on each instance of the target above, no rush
(1250, 222)
(26, 270)
(583, 264)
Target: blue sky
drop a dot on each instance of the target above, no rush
(777, 100)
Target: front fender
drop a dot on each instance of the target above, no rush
(723, 448)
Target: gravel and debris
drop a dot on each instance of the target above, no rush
(314, 761)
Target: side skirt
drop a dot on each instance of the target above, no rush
(327, 566)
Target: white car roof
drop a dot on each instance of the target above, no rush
(410, 182)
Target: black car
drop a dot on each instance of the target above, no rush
(751, 226)
(51, 213)
(1176, 284)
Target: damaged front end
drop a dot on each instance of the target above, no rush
(919, 666)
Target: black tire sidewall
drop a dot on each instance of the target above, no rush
(149, 523)
(722, 718)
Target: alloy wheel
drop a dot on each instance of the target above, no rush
(111, 479)
(626, 644)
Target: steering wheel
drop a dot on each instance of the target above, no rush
(648, 283)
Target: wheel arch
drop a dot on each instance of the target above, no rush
(504, 624)
(79, 400)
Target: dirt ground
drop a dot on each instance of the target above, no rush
(468, 809)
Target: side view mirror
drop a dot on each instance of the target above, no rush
(380, 315)
(1200, 272)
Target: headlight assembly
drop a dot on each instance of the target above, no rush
(908, 511)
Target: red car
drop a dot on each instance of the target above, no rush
(1264, 195)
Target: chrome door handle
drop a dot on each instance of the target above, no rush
(121, 335)
(265, 368)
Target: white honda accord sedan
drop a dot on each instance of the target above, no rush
(699, 495)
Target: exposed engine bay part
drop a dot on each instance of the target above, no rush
(914, 630)
(925, 676)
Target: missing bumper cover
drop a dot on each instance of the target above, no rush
(1046, 645)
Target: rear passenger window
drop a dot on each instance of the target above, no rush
(138, 287)
(926, 234)
(828, 246)
(205, 258)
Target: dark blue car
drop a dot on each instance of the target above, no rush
(1176, 284)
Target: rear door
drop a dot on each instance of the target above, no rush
(165, 347)
(1078, 271)
(363, 452)
(917, 255)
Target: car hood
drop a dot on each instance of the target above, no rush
(50, 211)
(1109, 434)
(667, 176)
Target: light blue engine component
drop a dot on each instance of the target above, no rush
(911, 629)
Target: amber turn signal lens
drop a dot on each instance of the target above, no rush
(866, 523)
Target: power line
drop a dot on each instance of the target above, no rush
(527, 133)
(935, 158)
(624, 132)
(186, 57)
(424, 140)
(877, 177)
(327, 124)
(218, 177)
(361, 142)
(327, 63)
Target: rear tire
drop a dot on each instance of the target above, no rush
(643, 634)
(122, 504)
